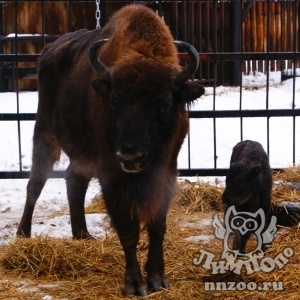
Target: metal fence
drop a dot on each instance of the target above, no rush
(224, 58)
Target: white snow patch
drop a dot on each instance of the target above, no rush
(200, 238)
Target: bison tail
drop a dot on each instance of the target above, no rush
(288, 214)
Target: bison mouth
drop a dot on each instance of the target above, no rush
(131, 161)
(130, 167)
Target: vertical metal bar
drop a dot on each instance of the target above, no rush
(69, 16)
(236, 34)
(185, 21)
(175, 8)
(241, 73)
(189, 147)
(103, 13)
(184, 35)
(268, 74)
(160, 10)
(208, 42)
(17, 85)
(1, 19)
(222, 41)
(295, 10)
(215, 80)
(200, 34)
(191, 22)
(43, 23)
(2, 84)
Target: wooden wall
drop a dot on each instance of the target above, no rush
(272, 27)
(280, 31)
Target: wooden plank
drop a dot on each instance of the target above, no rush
(260, 24)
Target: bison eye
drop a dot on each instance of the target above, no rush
(166, 107)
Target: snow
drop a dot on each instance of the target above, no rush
(202, 238)
(51, 215)
(228, 129)
(23, 35)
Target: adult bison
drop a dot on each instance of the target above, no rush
(114, 101)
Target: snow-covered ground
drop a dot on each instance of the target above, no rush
(51, 214)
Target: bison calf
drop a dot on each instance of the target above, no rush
(114, 101)
(248, 189)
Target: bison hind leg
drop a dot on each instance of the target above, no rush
(45, 153)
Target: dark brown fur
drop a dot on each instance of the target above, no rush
(248, 185)
(126, 132)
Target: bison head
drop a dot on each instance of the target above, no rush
(242, 181)
(147, 97)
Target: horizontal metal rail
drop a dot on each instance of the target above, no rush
(181, 172)
(17, 117)
(26, 174)
(19, 57)
(61, 174)
(231, 56)
(268, 113)
(245, 113)
(222, 56)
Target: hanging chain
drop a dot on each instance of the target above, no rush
(98, 14)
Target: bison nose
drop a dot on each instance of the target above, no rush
(131, 158)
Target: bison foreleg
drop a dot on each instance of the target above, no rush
(76, 189)
(156, 278)
(240, 242)
(128, 232)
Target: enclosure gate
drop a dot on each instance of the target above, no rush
(233, 38)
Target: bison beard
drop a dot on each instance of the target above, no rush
(119, 113)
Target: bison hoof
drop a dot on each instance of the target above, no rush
(22, 234)
(157, 283)
(83, 235)
(135, 290)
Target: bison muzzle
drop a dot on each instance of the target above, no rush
(114, 100)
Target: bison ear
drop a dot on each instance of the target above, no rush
(254, 171)
(237, 168)
(101, 86)
(190, 91)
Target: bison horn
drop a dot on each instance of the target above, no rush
(192, 66)
(97, 65)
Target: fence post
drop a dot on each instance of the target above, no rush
(1, 47)
(102, 9)
(1, 18)
(236, 23)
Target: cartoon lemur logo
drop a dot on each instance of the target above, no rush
(242, 225)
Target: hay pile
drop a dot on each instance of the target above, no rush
(199, 196)
(291, 174)
(69, 269)
(62, 258)
(282, 190)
